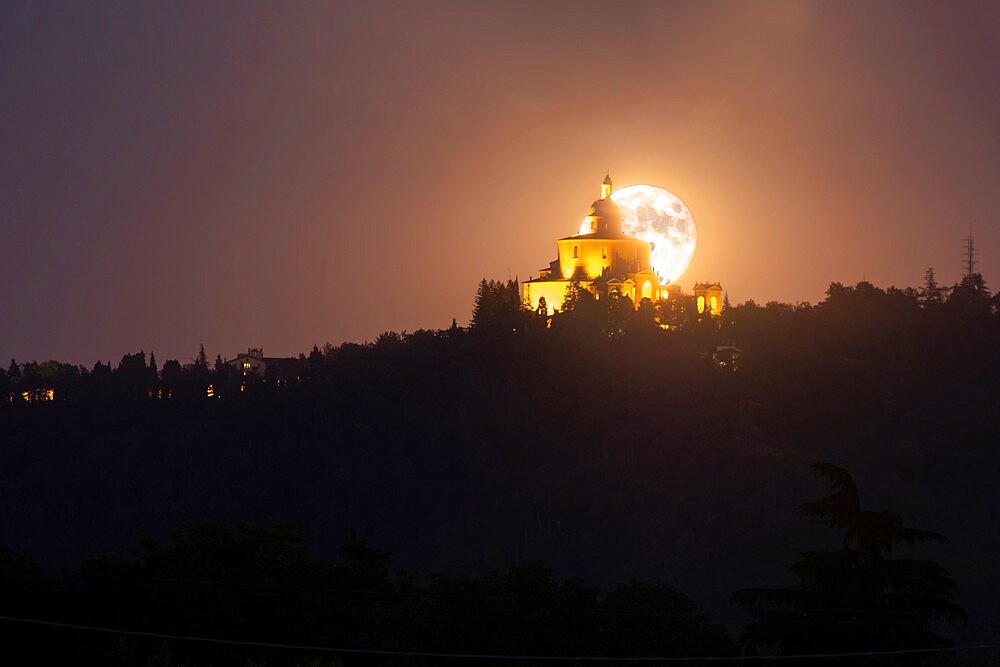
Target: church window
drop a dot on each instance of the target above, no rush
(576, 252)
(701, 304)
(604, 252)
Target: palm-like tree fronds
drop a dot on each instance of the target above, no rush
(853, 598)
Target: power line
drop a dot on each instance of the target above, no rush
(482, 656)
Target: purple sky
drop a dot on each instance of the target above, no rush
(282, 175)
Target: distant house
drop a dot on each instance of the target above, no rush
(33, 395)
(268, 369)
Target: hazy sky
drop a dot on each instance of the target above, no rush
(295, 173)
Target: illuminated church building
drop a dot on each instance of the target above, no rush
(603, 261)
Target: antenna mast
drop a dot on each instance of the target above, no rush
(969, 254)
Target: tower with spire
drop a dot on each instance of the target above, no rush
(607, 186)
(601, 258)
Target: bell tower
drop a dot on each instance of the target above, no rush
(607, 186)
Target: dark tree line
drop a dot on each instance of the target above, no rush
(854, 319)
(266, 585)
(596, 439)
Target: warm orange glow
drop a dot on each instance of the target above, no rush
(600, 258)
(210, 391)
(659, 217)
(554, 293)
(38, 395)
(709, 297)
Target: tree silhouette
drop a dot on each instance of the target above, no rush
(970, 297)
(854, 598)
(201, 361)
(172, 376)
(619, 311)
(498, 309)
(931, 292)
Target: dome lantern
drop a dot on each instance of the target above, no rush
(607, 186)
(604, 216)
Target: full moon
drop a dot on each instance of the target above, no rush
(660, 217)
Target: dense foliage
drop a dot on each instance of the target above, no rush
(595, 439)
(266, 586)
(853, 598)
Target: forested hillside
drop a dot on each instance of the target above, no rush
(596, 440)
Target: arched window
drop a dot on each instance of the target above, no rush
(576, 252)
(701, 304)
(714, 302)
(647, 290)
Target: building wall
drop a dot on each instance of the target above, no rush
(246, 364)
(586, 258)
(594, 255)
(554, 292)
(708, 296)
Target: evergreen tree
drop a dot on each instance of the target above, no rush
(172, 377)
(620, 311)
(854, 598)
(970, 297)
(931, 292)
(201, 361)
(498, 309)
(576, 297)
(132, 378)
(644, 319)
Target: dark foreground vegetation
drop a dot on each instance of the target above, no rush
(215, 596)
(266, 586)
(594, 440)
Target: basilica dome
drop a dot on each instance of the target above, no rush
(605, 217)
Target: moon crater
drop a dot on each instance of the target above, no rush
(659, 217)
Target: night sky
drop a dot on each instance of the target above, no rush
(282, 175)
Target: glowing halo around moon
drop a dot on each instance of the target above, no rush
(658, 216)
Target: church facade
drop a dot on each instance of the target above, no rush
(603, 261)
